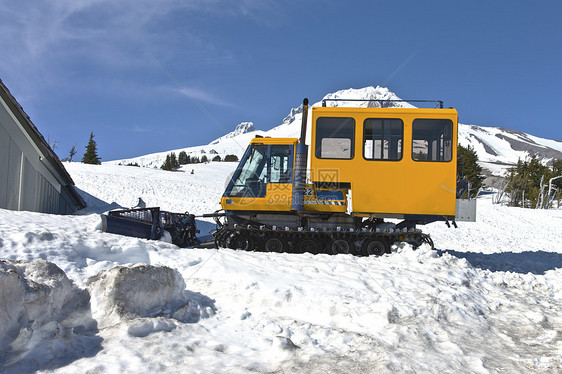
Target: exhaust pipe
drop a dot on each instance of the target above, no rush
(301, 155)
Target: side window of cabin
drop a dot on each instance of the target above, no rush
(335, 137)
(383, 138)
(432, 140)
(281, 163)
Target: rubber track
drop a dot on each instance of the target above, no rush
(237, 238)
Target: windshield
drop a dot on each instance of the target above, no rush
(252, 176)
(262, 164)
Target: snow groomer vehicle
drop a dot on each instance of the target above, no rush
(363, 166)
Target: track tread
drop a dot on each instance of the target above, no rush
(291, 237)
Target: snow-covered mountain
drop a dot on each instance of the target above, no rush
(243, 128)
(498, 148)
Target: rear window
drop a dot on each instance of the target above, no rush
(335, 137)
(432, 140)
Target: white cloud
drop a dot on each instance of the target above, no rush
(51, 43)
(200, 95)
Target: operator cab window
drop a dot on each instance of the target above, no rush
(335, 137)
(383, 138)
(262, 164)
(432, 140)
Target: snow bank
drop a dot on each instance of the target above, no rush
(488, 300)
(123, 293)
(40, 311)
(47, 321)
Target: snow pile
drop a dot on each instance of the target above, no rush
(40, 312)
(140, 291)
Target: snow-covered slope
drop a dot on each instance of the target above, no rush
(74, 299)
(243, 128)
(498, 148)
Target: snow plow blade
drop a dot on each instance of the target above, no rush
(150, 223)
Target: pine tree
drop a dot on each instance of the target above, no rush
(524, 181)
(231, 158)
(204, 159)
(91, 155)
(167, 165)
(174, 161)
(171, 162)
(468, 171)
(183, 158)
(217, 158)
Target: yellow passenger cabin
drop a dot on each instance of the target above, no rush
(395, 161)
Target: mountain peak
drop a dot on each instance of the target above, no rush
(366, 93)
(242, 128)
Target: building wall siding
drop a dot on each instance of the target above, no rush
(29, 198)
(4, 165)
(26, 183)
(13, 163)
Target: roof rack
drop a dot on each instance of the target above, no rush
(439, 102)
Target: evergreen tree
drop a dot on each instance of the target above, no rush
(183, 158)
(171, 162)
(174, 161)
(524, 181)
(231, 158)
(167, 165)
(91, 155)
(217, 158)
(468, 172)
(204, 159)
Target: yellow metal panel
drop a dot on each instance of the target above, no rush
(268, 140)
(277, 198)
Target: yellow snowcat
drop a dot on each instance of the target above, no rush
(366, 165)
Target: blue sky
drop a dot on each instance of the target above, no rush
(148, 76)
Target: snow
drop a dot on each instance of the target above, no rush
(75, 299)
(242, 128)
(495, 153)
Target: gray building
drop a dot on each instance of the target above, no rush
(32, 177)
